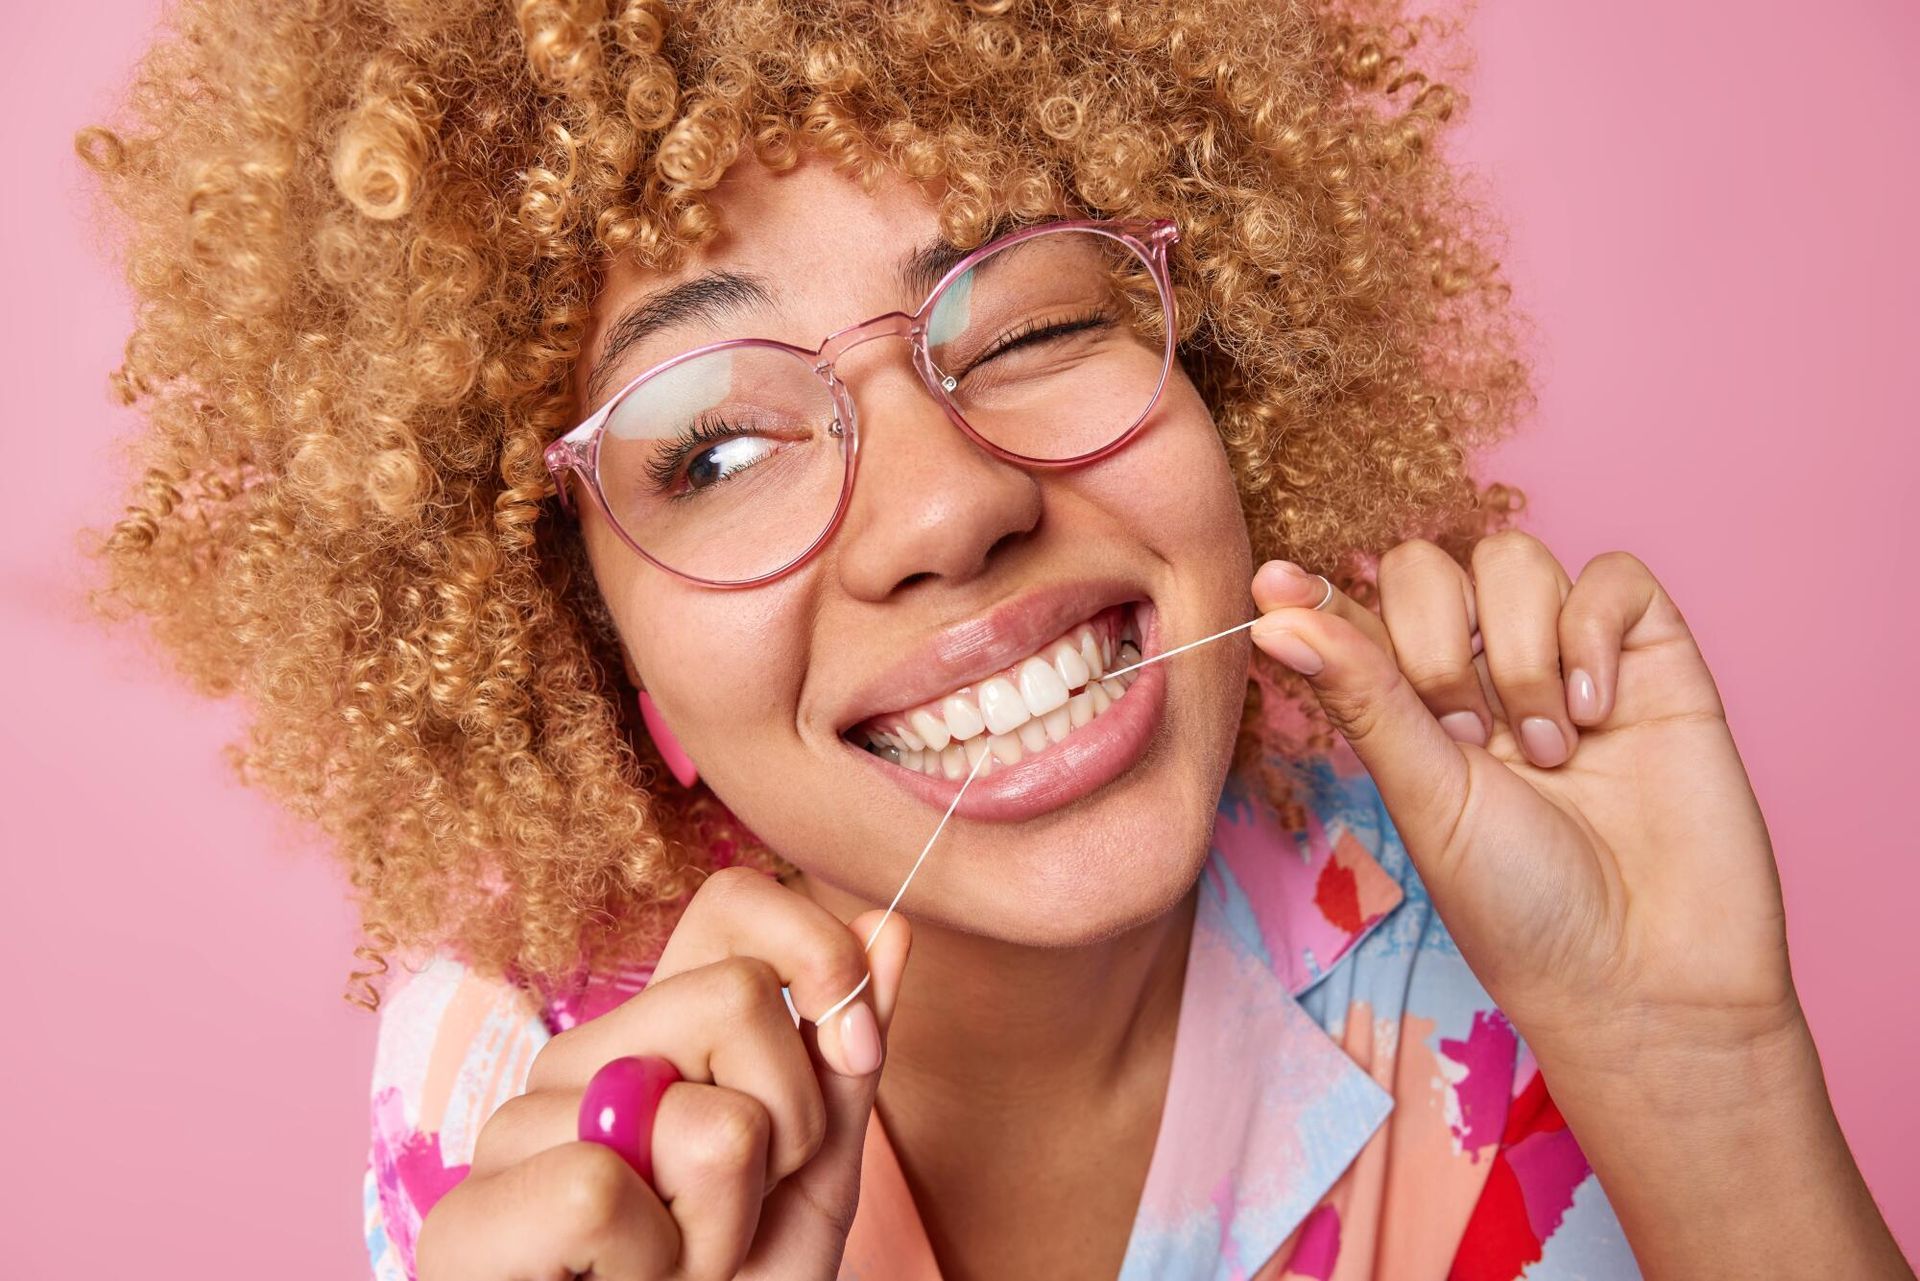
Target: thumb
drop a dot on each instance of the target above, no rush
(858, 1034)
(1422, 773)
(851, 1034)
(886, 960)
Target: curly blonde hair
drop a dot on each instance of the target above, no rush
(364, 237)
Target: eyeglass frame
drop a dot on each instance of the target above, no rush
(578, 451)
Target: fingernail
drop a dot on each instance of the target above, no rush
(1545, 744)
(1286, 569)
(1280, 581)
(1291, 650)
(860, 1039)
(1464, 727)
(1583, 699)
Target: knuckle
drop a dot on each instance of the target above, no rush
(546, 1068)
(723, 889)
(1583, 622)
(745, 983)
(590, 1190)
(835, 965)
(497, 1133)
(731, 1134)
(1504, 548)
(1533, 667)
(1355, 713)
(1436, 677)
(1412, 556)
(1617, 561)
(440, 1225)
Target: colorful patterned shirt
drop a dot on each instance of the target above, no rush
(1345, 1101)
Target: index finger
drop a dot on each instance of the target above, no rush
(740, 912)
(1281, 584)
(816, 956)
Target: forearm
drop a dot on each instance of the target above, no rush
(1724, 1163)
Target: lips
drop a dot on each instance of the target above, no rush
(1022, 710)
(966, 658)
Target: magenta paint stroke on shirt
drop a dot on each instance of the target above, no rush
(1319, 1246)
(1548, 1167)
(1486, 1092)
(409, 1168)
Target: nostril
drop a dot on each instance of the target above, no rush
(994, 552)
(1002, 543)
(913, 580)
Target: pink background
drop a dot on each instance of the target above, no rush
(1707, 222)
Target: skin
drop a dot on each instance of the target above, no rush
(1579, 881)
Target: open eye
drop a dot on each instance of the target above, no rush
(726, 459)
(707, 451)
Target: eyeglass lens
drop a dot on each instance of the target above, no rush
(729, 466)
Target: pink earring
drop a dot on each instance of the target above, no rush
(679, 764)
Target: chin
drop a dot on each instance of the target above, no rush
(1121, 858)
(1122, 888)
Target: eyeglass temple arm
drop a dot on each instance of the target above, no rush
(569, 454)
(564, 460)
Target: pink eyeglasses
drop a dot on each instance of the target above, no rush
(732, 464)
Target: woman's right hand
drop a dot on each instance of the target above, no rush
(756, 1153)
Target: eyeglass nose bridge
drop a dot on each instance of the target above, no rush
(895, 324)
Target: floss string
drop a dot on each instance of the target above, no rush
(900, 893)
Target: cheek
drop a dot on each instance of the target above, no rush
(718, 664)
(1173, 487)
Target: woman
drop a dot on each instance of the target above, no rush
(830, 405)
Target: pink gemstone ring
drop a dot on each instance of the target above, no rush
(618, 1108)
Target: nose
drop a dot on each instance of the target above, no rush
(929, 503)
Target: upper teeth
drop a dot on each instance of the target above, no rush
(1038, 702)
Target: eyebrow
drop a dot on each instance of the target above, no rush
(706, 298)
(714, 295)
(922, 269)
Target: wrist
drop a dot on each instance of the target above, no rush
(1686, 1068)
(1719, 1150)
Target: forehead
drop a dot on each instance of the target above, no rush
(804, 231)
(778, 219)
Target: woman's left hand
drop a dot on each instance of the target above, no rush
(1571, 796)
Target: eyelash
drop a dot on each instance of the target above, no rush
(664, 470)
(1074, 324)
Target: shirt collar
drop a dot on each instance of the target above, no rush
(1264, 1109)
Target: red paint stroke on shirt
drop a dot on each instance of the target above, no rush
(1337, 895)
(1528, 1191)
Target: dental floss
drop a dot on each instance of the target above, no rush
(1180, 649)
(844, 1001)
(1237, 627)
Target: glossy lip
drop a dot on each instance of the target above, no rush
(970, 651)
(1080, 764)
